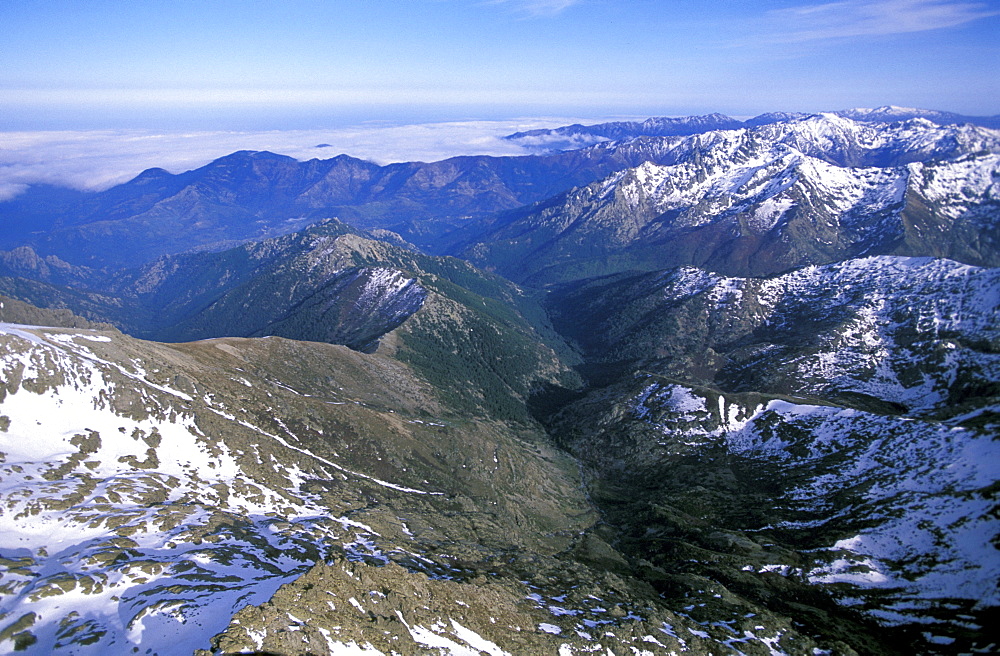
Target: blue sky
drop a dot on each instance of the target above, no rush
(307, 64)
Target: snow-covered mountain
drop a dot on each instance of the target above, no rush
(892, 515)
(577, 136)
(915, 336)
(765, 199)
(890, 113)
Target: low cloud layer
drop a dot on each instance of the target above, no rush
(94, 160)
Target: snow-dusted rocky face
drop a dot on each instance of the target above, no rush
(844, 412)
(909, 496)
(760, 200)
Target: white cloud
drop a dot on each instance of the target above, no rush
(538, 7)
(855, 18)
(98, 159)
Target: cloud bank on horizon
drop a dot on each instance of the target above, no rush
(445, 76)
(98, 159)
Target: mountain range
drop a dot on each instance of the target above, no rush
(697, 385)
(254, 195)
(576, 135)
(762, 200)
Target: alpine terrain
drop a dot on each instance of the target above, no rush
(682, 386)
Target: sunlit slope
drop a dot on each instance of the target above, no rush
(150, 491)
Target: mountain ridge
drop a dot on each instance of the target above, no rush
(761, 200)
(791, 409)
(248, 195)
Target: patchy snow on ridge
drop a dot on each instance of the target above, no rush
(901, 329)
(925, 484)
(867, 407)
(852, 180)
(757, 180)
(119, 528)
(381, 284)
(955, 186)
(921, 523)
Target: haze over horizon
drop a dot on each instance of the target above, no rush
(311, 64)
(93, 93)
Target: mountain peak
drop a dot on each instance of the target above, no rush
(251, 155)
(150, 175)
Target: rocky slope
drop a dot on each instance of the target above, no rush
(15, 311)
(326, 284)
(149, 491)
(917, 333)
(270, 495)
(832, 428)
(477, 337)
